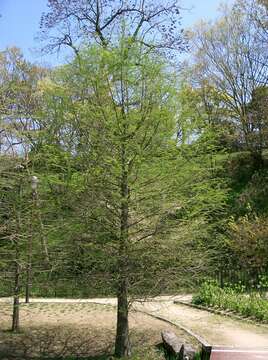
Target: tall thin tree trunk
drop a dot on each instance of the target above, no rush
(122, 343)
(16, 296)
(29, 269)
(44, 242)
(16, 299)
(30, 249)
(42, 237)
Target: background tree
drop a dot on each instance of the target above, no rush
(13, 231)
(18, 102)
(205, 137)
(19, 126)
(230, 55)
(74, 23)
(248, 242)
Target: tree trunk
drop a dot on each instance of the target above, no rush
(29, 275)
(16, 301)
(29, 267)
(30, 249)
(122, 343)
(221, 283)
(16, 315)
(16, 298)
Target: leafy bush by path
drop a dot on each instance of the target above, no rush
(233, 299)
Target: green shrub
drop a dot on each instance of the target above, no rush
(232, 298)
(208, 293)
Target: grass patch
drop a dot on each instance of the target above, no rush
(228, 298)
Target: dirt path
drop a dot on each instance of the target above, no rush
(215, 329)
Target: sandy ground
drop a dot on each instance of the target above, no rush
(215, 329)
(60, 328)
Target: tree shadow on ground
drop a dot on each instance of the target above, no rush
(98, 357)
(106, 356)
(56, 344)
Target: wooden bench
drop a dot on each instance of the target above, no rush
(176, 347)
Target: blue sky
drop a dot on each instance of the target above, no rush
(19, 23)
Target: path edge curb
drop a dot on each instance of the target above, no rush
(222, 313)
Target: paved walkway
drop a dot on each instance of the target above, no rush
(215, 329)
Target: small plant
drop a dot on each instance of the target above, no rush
(197, 356)
(263, 283)
(208, 293)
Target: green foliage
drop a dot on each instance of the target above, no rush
(233, 298)
(193, 194)
(140, 178)
(263, 283)
(113, 101)
(248, 241)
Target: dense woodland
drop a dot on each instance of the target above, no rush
(126, 171)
